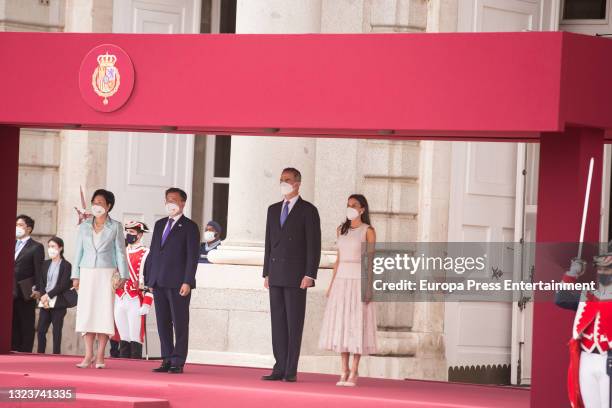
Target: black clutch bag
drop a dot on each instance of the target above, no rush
(70, 297)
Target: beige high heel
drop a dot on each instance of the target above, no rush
(85, 364)
(352, 380)
(343, 378)
(100, 365)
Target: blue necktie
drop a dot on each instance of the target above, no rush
(17, 245)
(167, 230)
(284, 213)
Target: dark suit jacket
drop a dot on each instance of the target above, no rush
(293, 251)
(62, 284)
(28, 264)
(176, 262)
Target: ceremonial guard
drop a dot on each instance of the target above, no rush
(591, 343)
(133, 301)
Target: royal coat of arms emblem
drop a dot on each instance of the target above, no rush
(106, 79)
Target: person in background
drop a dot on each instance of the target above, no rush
(99, 268)
(29, 257)
(132, 303)
(55, 280)
(170, 271)
(212, 240)
(349, 323)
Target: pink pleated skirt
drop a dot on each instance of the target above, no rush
(349, 325)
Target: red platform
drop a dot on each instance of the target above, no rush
(126, 383)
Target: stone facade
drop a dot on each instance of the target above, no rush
(407, 183)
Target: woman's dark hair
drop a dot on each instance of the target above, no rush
(108, 197)
(60, 243)
(180, 192)
(365, 216)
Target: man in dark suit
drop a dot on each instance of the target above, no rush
(170, 272)
(291, 261)
(29, 256)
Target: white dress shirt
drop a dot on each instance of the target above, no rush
(24, 241)
(175, 218)
(291, 202)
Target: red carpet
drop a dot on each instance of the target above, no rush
(126, 383)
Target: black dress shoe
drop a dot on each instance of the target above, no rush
(163, 368)
(290, 378)
(175, 370)
(272, 377)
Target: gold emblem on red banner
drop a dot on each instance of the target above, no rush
(105, 79)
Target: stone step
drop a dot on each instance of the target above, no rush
(398, 344)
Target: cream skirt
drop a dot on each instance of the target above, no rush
(349, 325)
(96, 301)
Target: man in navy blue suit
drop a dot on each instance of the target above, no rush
(170, 272)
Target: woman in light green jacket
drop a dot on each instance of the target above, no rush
(99, 266)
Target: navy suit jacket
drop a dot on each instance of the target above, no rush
(293, 250)
(174, 263)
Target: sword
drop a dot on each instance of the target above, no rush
(585, 208)
(145, 338)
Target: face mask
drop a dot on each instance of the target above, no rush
(286, 188)
(604, 280)
(172, 209)
(130, 239)
(52, 252)
(19, 232)
(209, 236)
(351, 213)
(98, 210)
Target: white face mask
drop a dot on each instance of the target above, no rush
(209, 236)
(98, 210)
(53, 252)
(352, 213)
(286, 188)
(172, 209)
(19, 232)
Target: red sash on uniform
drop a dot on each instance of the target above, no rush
(573, 374)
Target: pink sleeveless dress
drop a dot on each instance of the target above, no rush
(349, 325)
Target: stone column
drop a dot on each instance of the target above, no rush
(256, 162)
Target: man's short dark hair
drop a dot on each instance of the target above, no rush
(182, 193)
(296, 173)
(28, 220)
(109, 197)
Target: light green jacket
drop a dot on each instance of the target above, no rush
(109, 254)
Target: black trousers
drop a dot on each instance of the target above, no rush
(287, 311)
(22, 338)
(172, 313)
(46, 317)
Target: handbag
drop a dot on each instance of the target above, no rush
(71, 297)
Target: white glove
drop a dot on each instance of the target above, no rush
(576, 268)
(144, 309)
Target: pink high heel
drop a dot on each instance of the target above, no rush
(85, 364)
(352, 380)
(343, 378)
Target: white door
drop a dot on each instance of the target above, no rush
(484, 199)
(142, 165)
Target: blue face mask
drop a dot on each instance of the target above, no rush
(604, 280)
(130, 239)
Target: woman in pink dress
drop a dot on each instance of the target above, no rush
(349, 322)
